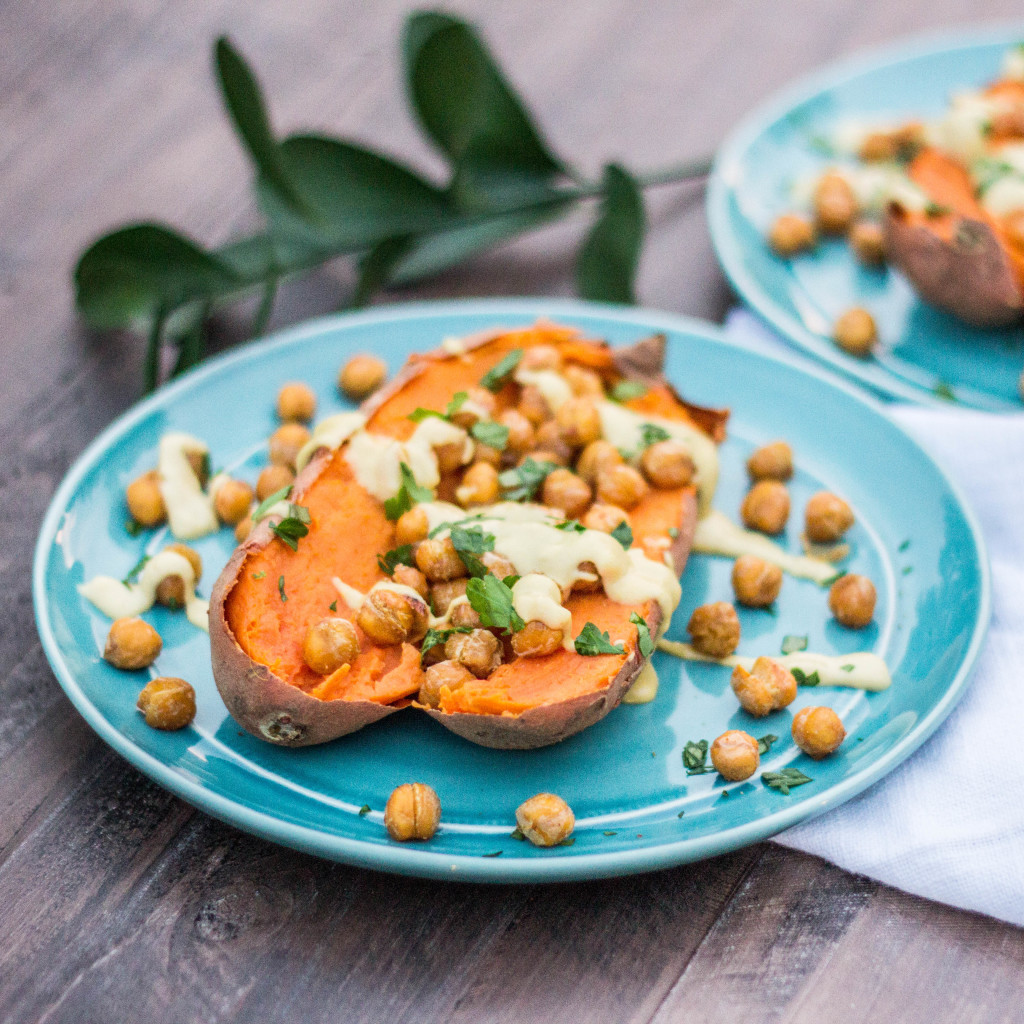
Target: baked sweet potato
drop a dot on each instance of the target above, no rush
(268, 595)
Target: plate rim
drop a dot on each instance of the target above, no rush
(420, 861)
(729, 251)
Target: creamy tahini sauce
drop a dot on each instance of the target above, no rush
(718, 535)
(551, 384)
(860, 671)
(645, 686)
(539, 598)
(332, 433)
(119, 600)
(190, 511)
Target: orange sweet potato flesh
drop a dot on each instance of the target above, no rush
(256, 636)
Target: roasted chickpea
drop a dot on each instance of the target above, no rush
(818, 732)
(766, 507)
(479, 651)
(550, 437)
(272, 479)
(755, 582)
(535, 640)
(145, 502)
(772, 461)
(442, 595)
(450, 457)
(233, 501)
(564, 490)
(714, 629)
(545, 819)
(479, 486)
(132, 644)
(667, 464)
(1008, 124)
(486, 453)
(243, 529)
(579, 421)
(464, 615)
(590, 583)
(329, 644)
(855, 332)
(827, 517)
(296, 401)
(767, 687)
(533, 405)
(199, 463)
(520, 431)
(851, 600)
(597, 455)
(867, 240)
(361, 376)
(438, 560)
(412, 527)
(448, 674)
(413, 811)
(479, 404)
(171, 591)
(583, 381)
(167, 703)
(407, 576)
(605, 517)
(541, 357)
(286, 442)
(388, 617)
(735, 755)
(621, 485)
(791, 234)
(499, 565)
(835, 205)
(559, 458)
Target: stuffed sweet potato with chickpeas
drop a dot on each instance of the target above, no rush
(431, 625)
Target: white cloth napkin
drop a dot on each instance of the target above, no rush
(948, 824)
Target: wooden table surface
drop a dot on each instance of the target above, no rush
(119, 902)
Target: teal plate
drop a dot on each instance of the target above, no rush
(636, 808)
(924, 351)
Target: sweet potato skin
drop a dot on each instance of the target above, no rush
(274, 710)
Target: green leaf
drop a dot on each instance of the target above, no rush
(132, 274)
(396, 556)
(494, 379)
(280, 588)
(409, 493)
(571, 526)
(293, 527)
(803, 679)
(643, 635)
(651, 433)
(626, 390)
(261, 510)
(607, 263)
(592, 641)
(435, 637)
(792, 643)
(376, 268)
(134, 571)
(495, 435)
(244, 102)
(469, 543)
(517, 833)
(623, 533)
(764, 744)
(364, 810)
(785, 779)
(695, 755)
(491, 599)
(522, 483)
(469, 111)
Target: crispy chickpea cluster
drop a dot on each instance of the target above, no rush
(851, 599)
(714, 629)
(818, 731)
(766, 507)
(167, 703)
(545, 819)
(755, 582)
(413, 811)
(132, 644)
(767, 687)
(826, 518)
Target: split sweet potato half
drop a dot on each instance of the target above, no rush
(268, 595)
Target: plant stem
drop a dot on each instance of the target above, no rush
(699, 168)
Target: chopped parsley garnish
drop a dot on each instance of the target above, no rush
(133, 528)
(623, 534)
(259, 575)
(904, 545)
(592, 641)
(517, 833)
(523, 482)
(409, 493)
(626, 390)
(680, 814)
(846, 668)
(441, 527)
(571, 526)
(493, 853)
(134, 571)
(491, 599)
(494, 379)
(469, 543)
(804, 679)
(390, 560)
(643, 635)
(293, 527)
(695, 756)
(421, 414)
(764, 744)
(280, 588)
(494, 435)
(364, 810)
(907, 570)
(785, 779)
(457, 402)
(568, 842)
(435, 637)
(944, 391)
(791, 644)
(673, 532)
(610, 832)
(651, 433)
(269, 502)
(333, 606)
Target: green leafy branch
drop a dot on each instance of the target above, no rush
(322, 197)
